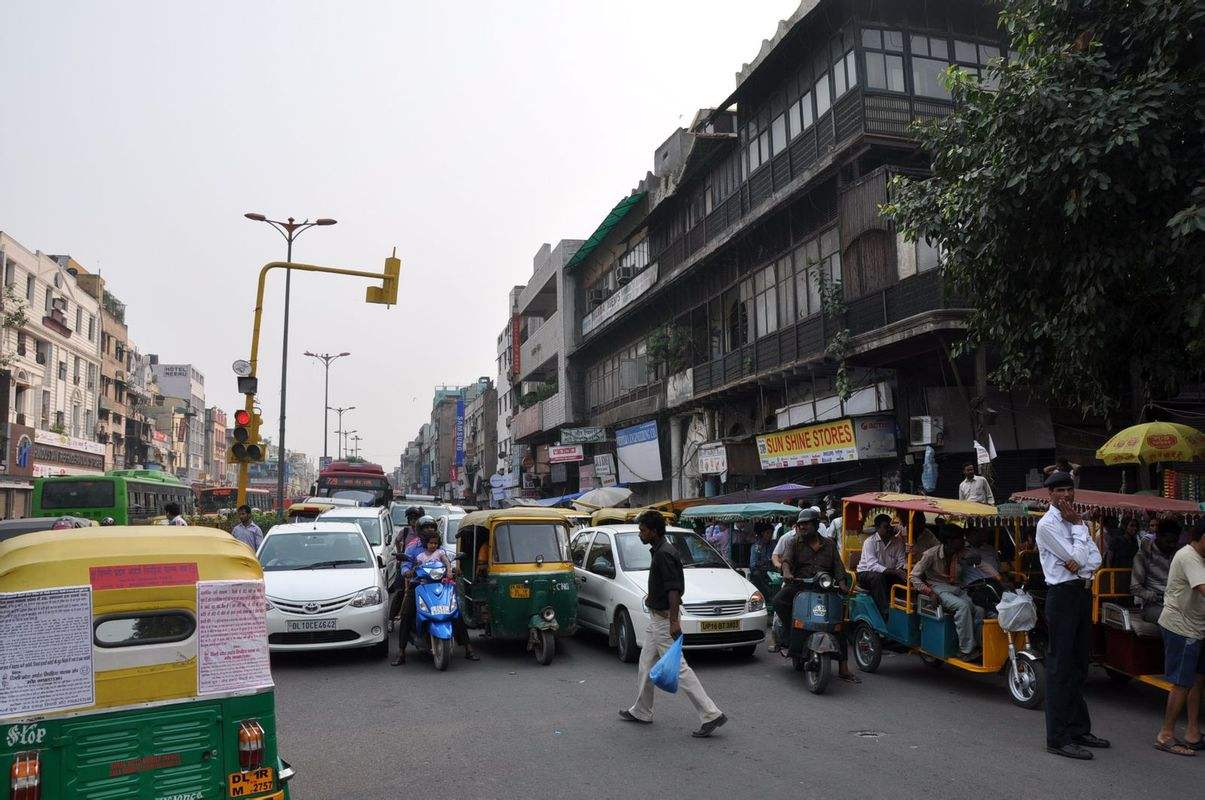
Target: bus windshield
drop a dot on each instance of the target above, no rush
(77, 494)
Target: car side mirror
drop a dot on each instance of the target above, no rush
(388, 539)
(380, 562)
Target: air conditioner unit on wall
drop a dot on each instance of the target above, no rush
(925, 431)
(598, 295)
(624, 275)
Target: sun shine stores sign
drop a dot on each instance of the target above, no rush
(826, 443)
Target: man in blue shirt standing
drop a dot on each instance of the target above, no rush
(247, 531)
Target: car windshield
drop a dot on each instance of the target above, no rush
(318, 550)
(527, 542)
(398, 511)
(635, 555)
(372, 529)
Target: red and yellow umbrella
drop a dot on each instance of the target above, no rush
(1152, 442)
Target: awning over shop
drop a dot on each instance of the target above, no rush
(775, 494)
(1086, 499)
(605, 227)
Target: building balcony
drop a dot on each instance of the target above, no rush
(527, 422)
(544, 344)
(552, 412)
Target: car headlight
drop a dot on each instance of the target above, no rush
(825, 580)
(367, 597)
(756, 602)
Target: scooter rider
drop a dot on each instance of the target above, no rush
(429, 551)
(807, 556)
(407, 546)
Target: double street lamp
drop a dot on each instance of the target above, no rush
(290, 229)
(343, 441)
(339, 430)
(326, 359)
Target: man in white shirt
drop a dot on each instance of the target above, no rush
(975, 487)
(174, 517)
(881, 565)
(1069, 558)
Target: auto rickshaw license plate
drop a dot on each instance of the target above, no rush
(519, 590)
(246, 784)
(726, 625)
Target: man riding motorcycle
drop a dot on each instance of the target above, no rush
(429, 549)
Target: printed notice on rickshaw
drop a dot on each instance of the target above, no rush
(232, 637)
(46, 650)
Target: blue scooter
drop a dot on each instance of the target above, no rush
(435, 607)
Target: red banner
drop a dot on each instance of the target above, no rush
(515, 345)
(138, 576)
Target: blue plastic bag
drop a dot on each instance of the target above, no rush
(664, 673)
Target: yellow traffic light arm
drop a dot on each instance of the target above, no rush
(385, 294)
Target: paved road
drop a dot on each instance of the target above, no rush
(506, 727)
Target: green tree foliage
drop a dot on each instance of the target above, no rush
(1070, 202)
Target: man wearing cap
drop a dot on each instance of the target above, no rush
(1069, 558)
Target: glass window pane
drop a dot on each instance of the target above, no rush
(872, 37)
(822, 95)
(851, 69)
(965, 51)
(876, 73)
(939, 48)
(767, 275)
(828, 242)
(805, 106)
(920, 45)
(988, 52)
(926, 78)
(778, 133)
(801, 293)
(793, 125)
(894, 41)
(763, 142)
(895, 73)
(754, 162)
(814, 290)
(839, 85)
(771, 314)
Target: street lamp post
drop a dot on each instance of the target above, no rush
(290, 230)
(356, 445)
(326, 359)
(339, 432)
(346, 435)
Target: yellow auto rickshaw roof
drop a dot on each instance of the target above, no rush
(612, 515)
(64, 558)
(917, 502)
(521, 513)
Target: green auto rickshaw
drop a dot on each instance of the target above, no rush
(515, 576)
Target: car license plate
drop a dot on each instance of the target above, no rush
(246, 784)
(520, 590)
(311, 624)
(711, 626)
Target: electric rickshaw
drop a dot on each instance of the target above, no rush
(134, 663)
(515, 576)
(917, 624)
(1127, 646)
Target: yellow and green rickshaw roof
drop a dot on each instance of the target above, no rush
(943, 506)
(66, 558)
(517, 514)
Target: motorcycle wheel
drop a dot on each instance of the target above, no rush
(816, 680)
(545, 647)
(1027, 683)
(868, 648)
(441, 652)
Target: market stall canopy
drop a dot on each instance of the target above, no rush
(604, 497)
(774, 494)
(929, 505)
(1153, 442)
(735, 512)
(1087, 500)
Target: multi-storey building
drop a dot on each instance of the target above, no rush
(718, 300)
(480, 441)
(186, 382)
(49, 379)
(215, 445)
(508, 345)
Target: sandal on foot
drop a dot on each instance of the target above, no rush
(1174, 747)
(850, 678)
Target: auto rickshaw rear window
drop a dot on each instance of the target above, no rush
(150, 627)
(525, 543)
(77, 494)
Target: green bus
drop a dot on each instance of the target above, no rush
(129, 496)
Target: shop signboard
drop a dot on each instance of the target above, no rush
(638, 452)
(564, 454)
(826, 443)
(593, 435)
(56, 454)
(713, 458)
(875, 437)
(19, 460)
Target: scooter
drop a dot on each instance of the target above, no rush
(435, 607)
(817, 615)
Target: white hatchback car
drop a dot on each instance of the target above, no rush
(325, 588)
(720, 607)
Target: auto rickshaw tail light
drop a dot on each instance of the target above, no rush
(250, 744)
(26, 776)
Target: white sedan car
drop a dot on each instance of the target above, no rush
(325, 588)
(720, 607)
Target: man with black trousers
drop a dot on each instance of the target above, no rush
(1069, 558)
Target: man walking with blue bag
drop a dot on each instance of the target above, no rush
(666, 584)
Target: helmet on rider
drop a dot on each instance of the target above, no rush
(426, 521)
(108, 521)
(809, 515)
(62, 523)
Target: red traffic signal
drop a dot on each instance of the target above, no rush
(242, 417)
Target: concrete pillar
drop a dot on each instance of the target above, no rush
(675, 458)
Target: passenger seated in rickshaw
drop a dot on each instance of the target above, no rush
(1148, 580)
(1121, 542)
(938, 575)
(981, 576)
(881, 565)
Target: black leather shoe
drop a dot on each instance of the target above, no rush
(628, 716)
(1089, 740)
(708, 728)
(1070, 751)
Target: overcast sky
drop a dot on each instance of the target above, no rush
(135, 135)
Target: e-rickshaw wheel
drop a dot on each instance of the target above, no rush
(545, 647)
(868, 648)
(1027, 683)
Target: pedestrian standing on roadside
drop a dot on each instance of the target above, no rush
(1069, 558)
(1182, 624)
(975, 487)
(666, 584)
(172, 510)
(247, 531)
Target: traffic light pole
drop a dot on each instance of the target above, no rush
(385, 294)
